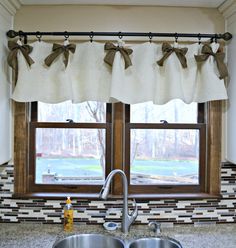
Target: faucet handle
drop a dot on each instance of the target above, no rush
(155, 226)
(134, 213)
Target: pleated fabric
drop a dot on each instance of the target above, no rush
(88, 78)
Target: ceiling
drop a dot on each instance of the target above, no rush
(182, 3)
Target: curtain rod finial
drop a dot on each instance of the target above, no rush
(12, 34)
(227, 36)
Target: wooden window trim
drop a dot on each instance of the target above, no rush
(21, 151)
(82, 188)
(21, 135)
(214, 132)
(28, 181)
(168, 189)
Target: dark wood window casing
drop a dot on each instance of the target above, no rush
(168, 189)
(33, 124)
(118, 128)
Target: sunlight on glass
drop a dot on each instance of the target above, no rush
(70, 156)
(164, 156)
(81, 112)
(175, 111)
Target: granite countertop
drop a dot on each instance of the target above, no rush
(31, 235)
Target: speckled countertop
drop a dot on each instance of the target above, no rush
(44, 235)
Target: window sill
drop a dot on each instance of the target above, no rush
(180, 196)
(114, 197)
(56, 196)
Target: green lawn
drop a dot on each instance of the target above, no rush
(91, 167)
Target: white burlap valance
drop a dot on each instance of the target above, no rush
(88, 78)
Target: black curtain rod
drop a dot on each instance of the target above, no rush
(12, 34)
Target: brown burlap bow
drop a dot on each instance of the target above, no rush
(58, 49)
(167, 50)
(111, 51)
(219, 58)
(12, 59)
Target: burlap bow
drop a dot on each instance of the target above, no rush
(219, 58)
(58, 49)
(12, 57)
(167, 50)
(111, 51)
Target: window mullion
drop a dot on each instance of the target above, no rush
(118, 145)
(201, 113)
(34, 112)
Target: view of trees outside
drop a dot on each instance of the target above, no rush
(77, 156)
(164, 156)
(175, 111)
(66, 155)
(80, 112)
(168, 157)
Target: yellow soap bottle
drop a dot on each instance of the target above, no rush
(68, 215)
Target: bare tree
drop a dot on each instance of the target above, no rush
(134, 146)
(97, 112)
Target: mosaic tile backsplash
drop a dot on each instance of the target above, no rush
(170, 211)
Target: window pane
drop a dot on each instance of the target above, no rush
(70, 156)
(81, 112)
(174, 111)
(164, 156)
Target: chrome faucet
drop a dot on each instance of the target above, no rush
(127, 219)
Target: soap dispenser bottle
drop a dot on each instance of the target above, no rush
(68, 215)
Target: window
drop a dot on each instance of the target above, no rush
(70, 146)
(165, 148)
(168, 151)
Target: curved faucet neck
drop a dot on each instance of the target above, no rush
(124, 180)
(127, 219)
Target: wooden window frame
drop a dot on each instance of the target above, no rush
(213, 116)
(30, 187)
(210, 115)
(168, 188)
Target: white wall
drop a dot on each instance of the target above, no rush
(6, 21)
(230, 15)
(119, 18)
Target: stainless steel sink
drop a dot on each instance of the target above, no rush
(89, 241)
(155, 243)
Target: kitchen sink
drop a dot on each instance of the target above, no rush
(89, 241)
(159, 242)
